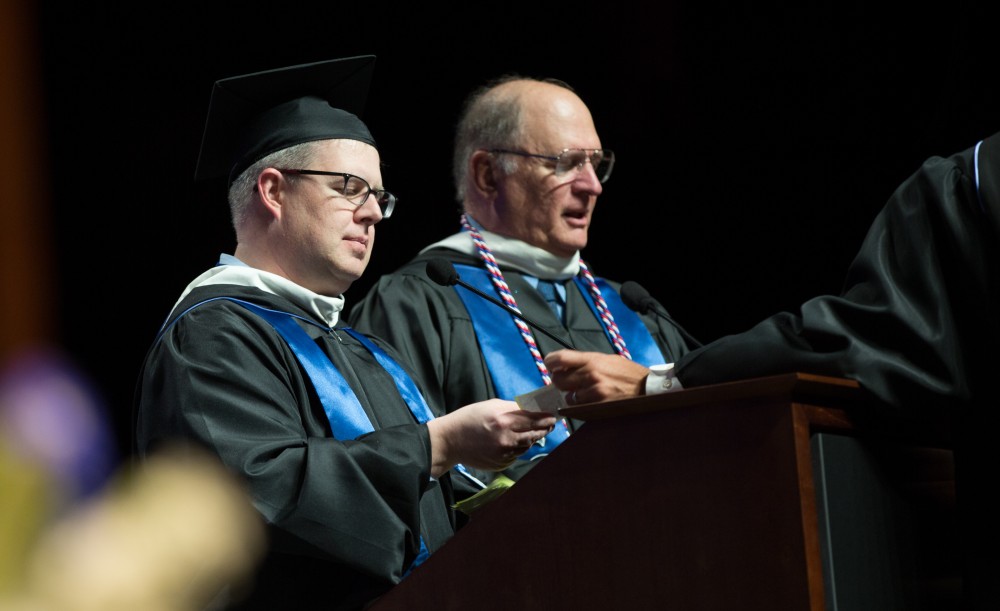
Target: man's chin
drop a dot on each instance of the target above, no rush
(572, 242)
(351, 271)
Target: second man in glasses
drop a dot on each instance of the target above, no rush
(528, 167)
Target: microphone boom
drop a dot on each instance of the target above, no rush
(637, 298)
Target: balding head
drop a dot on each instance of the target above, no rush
(493, 117)
(509, 170)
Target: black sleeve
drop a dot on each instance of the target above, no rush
(223, 378)
(919, 302)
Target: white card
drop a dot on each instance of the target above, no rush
(545, 399)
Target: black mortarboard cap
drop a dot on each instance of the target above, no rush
(254, 115)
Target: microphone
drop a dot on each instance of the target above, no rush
(638, 299)
(443, 272)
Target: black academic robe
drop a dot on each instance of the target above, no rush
(918, 324)
(344, 516)
(430, 325)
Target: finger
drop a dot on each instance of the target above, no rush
(543, 427)
(567, 359)
(526, 421)
(553, 360)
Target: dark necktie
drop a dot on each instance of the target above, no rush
(548, 290)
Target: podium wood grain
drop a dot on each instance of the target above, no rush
(700, 499)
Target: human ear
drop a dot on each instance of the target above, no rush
(483, 171)
(270, 183)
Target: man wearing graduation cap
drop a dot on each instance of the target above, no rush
(338, 448)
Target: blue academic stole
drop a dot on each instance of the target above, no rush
(348, 419)
(512, 367)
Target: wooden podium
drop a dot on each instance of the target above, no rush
(701, 499)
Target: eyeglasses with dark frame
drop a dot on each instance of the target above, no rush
(354, 189)
(603, 160)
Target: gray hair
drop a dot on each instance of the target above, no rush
(241, 192)
(489, 120)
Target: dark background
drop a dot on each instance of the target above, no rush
(755, 144)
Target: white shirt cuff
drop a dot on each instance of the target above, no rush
(661, 379)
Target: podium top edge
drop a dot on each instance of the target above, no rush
(817, 390)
